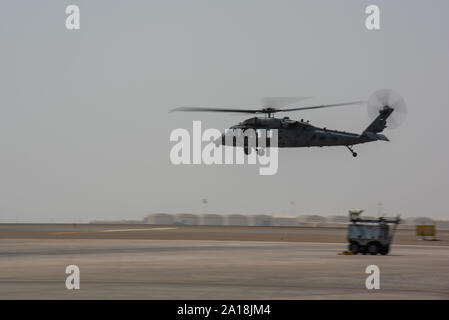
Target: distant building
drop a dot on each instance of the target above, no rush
(159, 218)
(284, 221)
(442, 224)
(337, 219)
(235, 220)
(187, 219)
(260, 220)
(312, 218)
(211, 220)
(116, 222)
(419, 221)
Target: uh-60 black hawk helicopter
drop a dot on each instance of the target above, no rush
(386, 107)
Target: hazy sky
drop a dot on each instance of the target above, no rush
(84, 122)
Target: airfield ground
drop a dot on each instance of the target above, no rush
(188, 262)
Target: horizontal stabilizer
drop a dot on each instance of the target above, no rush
(381, 137)
(375, 136)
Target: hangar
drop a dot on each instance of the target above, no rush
(211, 220)
(236, 220)
(312, 218)
(159, 218)
(260, 220)
(187, 219)
(337, 219)
(284, 221)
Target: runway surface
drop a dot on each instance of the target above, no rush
(120, 267)
(182, 232)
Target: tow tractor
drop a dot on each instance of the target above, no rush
(371, 236)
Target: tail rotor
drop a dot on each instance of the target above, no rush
(386, 98)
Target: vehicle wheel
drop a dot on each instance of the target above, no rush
(373, 248)
(354, 247)
(384, 251)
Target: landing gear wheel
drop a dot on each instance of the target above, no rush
(354, 248)
(373, 249)
(354, 154)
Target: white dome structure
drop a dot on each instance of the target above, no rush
(187, 219)
(283, 221)
(236, 220)
(442, 224)
(211, 220)
(260, 220)
(419, 221)
(337, 219)
(312, 218)
(159, 218)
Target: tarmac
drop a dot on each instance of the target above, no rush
(195, 262)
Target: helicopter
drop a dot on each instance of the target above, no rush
(386, 107)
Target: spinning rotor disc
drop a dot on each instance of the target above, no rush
(388, 98)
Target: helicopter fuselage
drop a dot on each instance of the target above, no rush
(293, 134)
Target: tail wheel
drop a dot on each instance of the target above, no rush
(373, 248)
(354, 247)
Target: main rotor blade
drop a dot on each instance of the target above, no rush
(262, 110)
(322, 106)
(281, 101)
(207, 109)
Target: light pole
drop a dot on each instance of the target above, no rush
(379, 209)
(205, 202)
(292, 207)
